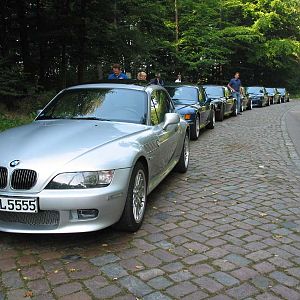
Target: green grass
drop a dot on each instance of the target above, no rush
(9, 121)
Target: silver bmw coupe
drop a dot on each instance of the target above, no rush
(90, 159)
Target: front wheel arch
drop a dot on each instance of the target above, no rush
(127, 221)
(144, 162)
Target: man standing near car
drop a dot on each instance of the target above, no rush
(157, 80)
(235, 87)
(117, 73)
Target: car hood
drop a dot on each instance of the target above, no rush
(52, 144)
(217, 99)
(186, 108)
(256, 95)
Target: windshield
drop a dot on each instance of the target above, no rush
(270, 90)
(183, 94)
(122, 105)
(254, 90)
(281, 90)
(214, 91)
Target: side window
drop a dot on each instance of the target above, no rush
(160, 105)
(226, 92)
(202, 97)
(154, 105)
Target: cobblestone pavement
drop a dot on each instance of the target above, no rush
(228, 229)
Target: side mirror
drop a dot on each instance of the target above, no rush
(171, 119)
(38, 111)
(261, 91)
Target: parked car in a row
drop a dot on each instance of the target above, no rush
(224, 103)
(192, 103)
(284, 95)
(90, 159)
(246, 101)
(258, 95)
(95, 152)
(274, 95)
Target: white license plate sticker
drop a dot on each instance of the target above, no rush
(29, 205)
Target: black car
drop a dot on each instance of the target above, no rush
(259, 96)
(192, 104)
(284, 95)
(246, 102)
(274, 95)
(224, 103)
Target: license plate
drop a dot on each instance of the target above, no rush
(27, 205)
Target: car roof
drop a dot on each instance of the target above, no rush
(213, 85)
(178, 84)
(120, 84)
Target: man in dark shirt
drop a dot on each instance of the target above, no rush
(117, 73)
(235, 87)
(157, 80)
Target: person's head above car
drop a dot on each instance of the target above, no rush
(142, 76)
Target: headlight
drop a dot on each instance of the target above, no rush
(81, 180)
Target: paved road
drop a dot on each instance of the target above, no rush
(228, 229)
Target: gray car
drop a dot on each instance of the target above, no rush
(90, 159)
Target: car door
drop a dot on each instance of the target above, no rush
(204, 107)
(266, 97)
(229, 99)
(168, 138)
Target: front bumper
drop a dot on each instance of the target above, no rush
(58, 209)
(256, 102)
(190, 121)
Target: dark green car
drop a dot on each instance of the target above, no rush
(224, 103)
(274, 95)
(192, 104)
(246, 102)
(284, 95)
(259, 96)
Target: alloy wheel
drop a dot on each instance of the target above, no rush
(197, 124)
(186, 151)
(139, 196)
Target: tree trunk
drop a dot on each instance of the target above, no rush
(23, 32)
(4, 20)
(41, 42)
(63, 74)
(82, 42)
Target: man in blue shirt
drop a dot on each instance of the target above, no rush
(117, 73)
(235, 87)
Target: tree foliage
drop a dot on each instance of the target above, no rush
(48, 44)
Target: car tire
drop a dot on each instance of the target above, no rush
(260, 104)
(223, 113)
(288, 100)
(183, 162)
(250, 106)
(235, 110)
(268, 103)
(195, 128)
(136, 200)
(212, 120)
(220, 114)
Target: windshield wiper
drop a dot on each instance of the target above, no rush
(90, 118)
(49, 118)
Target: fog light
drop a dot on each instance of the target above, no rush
(187, 117)
(84, 214)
